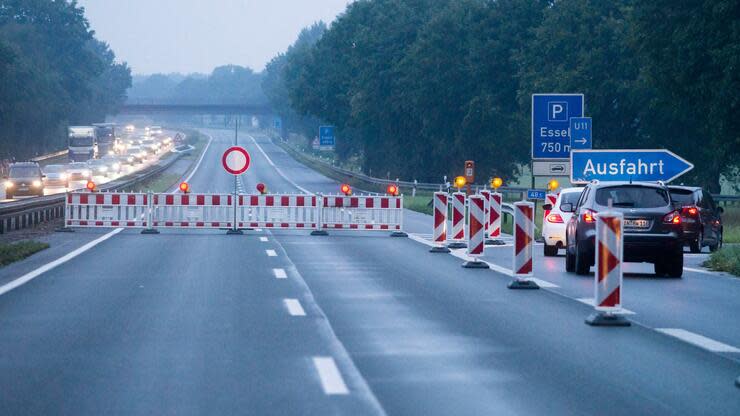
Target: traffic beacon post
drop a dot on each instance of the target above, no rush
(608, 277)
(235, 161)
(185, 187)
(440, 223)
(523, 242)
(393, 190)
(458, 215)
(494, 214)
(469, 173)
(476, 230)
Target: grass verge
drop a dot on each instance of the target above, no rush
(726, 259)
(13, 252)
(731, 224)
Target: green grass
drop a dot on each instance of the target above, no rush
(727, 259)
(13, 252)
(419, 203)
(731, 224)
(159, 183)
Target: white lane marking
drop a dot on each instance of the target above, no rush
(277, 169)
(294, 307)
(698, 340)
(691, 269)
(543, 283)
(45, 268)
(331, 379)
(263, 239)
(280, 273)
(590, 302)
(200, 159)
(421, 240)
(271, 253)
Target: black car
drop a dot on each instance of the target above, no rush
(700, 216)
(24, 178)
(652, 226)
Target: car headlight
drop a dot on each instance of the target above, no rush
(8, 184)
(36, 183)
(85, 173)
(116, 166)
(104, 168)
(63, 176)
(130, 159)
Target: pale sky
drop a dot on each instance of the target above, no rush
(197, 35)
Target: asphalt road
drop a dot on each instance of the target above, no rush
(198, 322)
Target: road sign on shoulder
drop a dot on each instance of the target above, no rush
(536, 194)
(551, 114)
(236, 160)
(550, 168)
(580, 133)
(627, 164)
(327, 140)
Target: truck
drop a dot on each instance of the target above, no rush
(81, 143)
(105, 134)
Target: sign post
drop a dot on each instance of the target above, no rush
(627, 165)
(235, 160)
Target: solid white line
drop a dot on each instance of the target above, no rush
(302, 189)
(294, 307)
(280, 273)
(263, 239)
(45, 268)
(698, 340)
(691, 269)
(590, 302)
(200, 159)
(543, 283)
(331, 380)
(271, 253)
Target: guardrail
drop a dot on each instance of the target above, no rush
(27, 213)
(50, 156)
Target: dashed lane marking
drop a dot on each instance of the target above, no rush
(280, 273)
(271, 253)
(331, 379)
(294, 307)
(264, 239)
(698, 340)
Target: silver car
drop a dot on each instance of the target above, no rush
(56, 176)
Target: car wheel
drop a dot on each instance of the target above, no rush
(674, 264)
(8, 195)
(582, 266)
(695, 246)
(570, 261)
(716, 246)
(550, 251)
(659, 268)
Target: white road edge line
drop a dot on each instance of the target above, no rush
(294, 307)
(691, 269)
(271, 253)
(280, 273)
(263, 239)
(277, 169)
(331, 379)
(590, 302)
(200, 159)
(698, 340)
(45, 268)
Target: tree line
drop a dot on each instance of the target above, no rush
(53, 73)
(415, 87)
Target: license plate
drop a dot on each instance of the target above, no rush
(636, 224)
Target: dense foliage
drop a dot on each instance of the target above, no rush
(53, 72)
(417, 86)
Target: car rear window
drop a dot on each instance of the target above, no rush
(682, 196)
(631, 196)
(569, 198)
(23, 171)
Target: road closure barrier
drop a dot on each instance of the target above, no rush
(278, 211)
(364, 212)
(523, 242)
(608, 271)
(85, 209)
(458, 221)
(486, 194)
(476, 232)
(494, 219)
(439, 234)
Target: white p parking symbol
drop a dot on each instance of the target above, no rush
(557, 111)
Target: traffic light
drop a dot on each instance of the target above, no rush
(184, 187)
(392, 190)
(90, 186)
(460, 182)
(261, 188)
(346, 189)
(496, 182)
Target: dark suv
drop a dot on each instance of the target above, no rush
(652, 226)
(700, 216)
(24, 178)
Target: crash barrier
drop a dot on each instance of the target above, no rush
(523, 242)
(140, 210)
(608, 268)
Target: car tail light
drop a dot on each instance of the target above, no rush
(555, 219)
(690, 211)
(588, 216)
(672, 218)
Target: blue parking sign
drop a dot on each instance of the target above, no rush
(551, 114)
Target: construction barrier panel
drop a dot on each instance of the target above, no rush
(278, 211)
(85, 209)
(439, 233)
(523, 242)
(486, 194)
(192, 210)
(362, 212)
(494, 215)
(458, 220)
(550, 198)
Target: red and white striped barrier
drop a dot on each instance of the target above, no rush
(278, 211)
(439, 234)
(476, 231)
(192, 210)
(458, 221)
(608, 267)
(486, 194)
(363, 212)
(494, 216)
(85, 209)
(523, 242)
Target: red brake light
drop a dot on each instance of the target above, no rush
(690, 211)
(588, 216)
(672, 218)
(555, 219)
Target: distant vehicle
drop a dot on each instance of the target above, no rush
(113, 163)
(24, 178)
(553, 227)
(56, 176)
(105, 134)
(700, 216)
(134, 154)
(155, 130)
(78, 171)
(81, 143)
(150, 146)
(98, 167)
(652, 226)
(130, 128)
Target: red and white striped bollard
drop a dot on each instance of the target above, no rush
(523, 242)
(494, 219)
(476, 232)
(458, 221)
(439, 234)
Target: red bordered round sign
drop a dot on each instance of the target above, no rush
(236, 160)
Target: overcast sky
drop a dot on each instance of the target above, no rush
(198, 35)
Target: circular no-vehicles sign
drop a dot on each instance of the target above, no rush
(236, 160)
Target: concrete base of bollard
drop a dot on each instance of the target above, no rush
(522, 284)
(64, 230)
(457, 244)
(605, 319)
(149, 231)
(319, 232)
(233, 231)
(475, 264)
(399, 234)
(495, 242)
(439, 249)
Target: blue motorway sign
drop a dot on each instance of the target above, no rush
(326, 136)
(277, 124)
(626, 165)
(580, 133)
(536, 194)
(551, 114)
